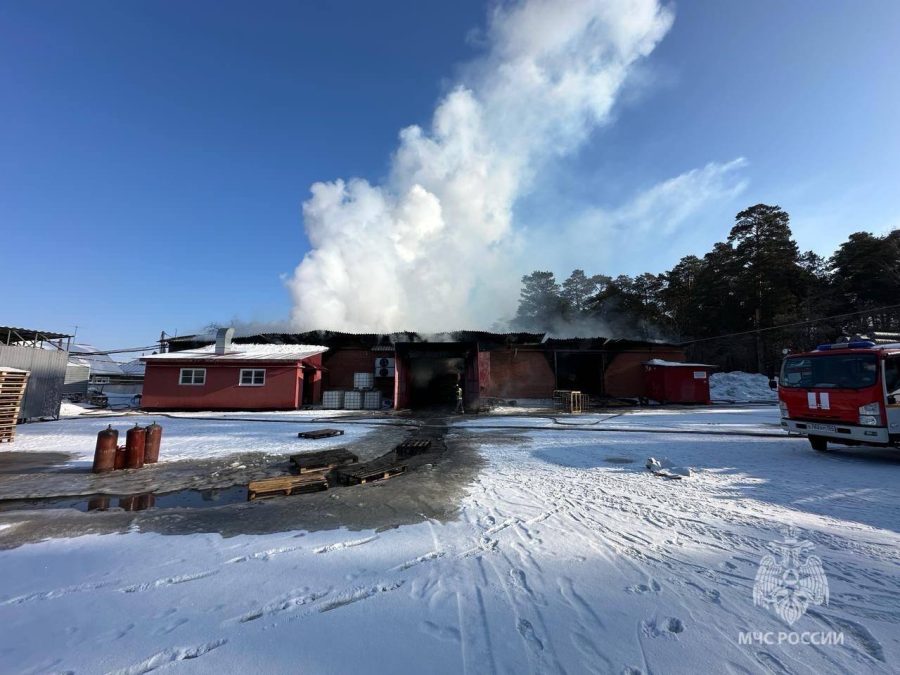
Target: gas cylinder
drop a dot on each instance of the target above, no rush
(151, 446)
(120, 457)
(129, 502)
(98, 503)
(135, 440)
(105, 450)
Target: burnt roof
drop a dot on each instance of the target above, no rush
(386, 341)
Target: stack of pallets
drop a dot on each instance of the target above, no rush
(12, 391)
(412, 447)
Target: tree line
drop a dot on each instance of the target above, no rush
(739, 305)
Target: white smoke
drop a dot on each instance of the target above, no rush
(431, 249)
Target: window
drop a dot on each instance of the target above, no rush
(892, 376)
(839, 371)
(253, 377)
(193, 376)
(99, 380)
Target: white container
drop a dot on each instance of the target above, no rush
(333, 399)
(372, 400)
(363, 380)
(353, 400)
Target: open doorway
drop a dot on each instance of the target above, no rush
(307, 391)
(580, 371)
(432, 372)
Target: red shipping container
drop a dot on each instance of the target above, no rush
(674, 382)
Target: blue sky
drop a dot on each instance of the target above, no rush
(154, 156)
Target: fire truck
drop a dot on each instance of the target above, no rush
(846, 393)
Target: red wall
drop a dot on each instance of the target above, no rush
(625, 371)
(340, 364)
(677, 384)
(521, 374)
(221, 391)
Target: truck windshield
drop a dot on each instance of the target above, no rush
(840, 371)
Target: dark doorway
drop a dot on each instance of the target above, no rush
(308, 393)
(433, 379)
(580, 371)
(430, 373)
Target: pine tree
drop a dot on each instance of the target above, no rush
(540, 303)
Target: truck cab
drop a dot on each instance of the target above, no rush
(845, 393)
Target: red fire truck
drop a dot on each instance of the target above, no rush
(846, 393)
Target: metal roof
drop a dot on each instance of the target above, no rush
(247, 352)
(100, 364)
(27, 334)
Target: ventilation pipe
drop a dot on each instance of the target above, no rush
(223, 340)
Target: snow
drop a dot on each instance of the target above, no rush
(567, 555)
(100, 364)
(682, 364)
(185, 435)
(261, 352)
(738, 386)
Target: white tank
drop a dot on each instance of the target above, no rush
(372, 400)
(353, 400)
(363, 380)
(333, 399)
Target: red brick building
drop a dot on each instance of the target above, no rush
(421, 370)
(234, 377)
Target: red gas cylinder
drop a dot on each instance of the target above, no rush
(105, 450)
(99, 503)
(129, 502)
(120, 457)
(135, 440)
(151, 446)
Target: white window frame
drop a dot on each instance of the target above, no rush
(193, 382)
(252, 382)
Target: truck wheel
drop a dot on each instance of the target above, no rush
(819, 443)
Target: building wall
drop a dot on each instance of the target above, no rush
(341, 364)
(47, 368)
(625, 370)
(521, 374)
(221, 391)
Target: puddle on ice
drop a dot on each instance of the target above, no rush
(185, 499)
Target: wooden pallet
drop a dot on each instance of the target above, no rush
(378, 469)
(320, 433)
(412, 447)
(323, 460)
(287, 485)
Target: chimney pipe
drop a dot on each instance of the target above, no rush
(223, 340)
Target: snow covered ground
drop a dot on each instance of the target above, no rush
(567, 556)
(188, 435)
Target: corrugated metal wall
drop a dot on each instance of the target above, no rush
(76, 379)
(45, 385)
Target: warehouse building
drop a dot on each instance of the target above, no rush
(416, 371)
(227, 376)
(44, 355)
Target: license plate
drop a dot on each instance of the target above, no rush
(821, 427)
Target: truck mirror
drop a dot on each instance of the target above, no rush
(773, 383)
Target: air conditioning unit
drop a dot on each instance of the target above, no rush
(384, 367)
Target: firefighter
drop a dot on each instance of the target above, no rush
(459, 398)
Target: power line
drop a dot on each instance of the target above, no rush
(791, 325)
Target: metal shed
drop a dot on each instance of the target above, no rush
(44, 355)
(677, 382)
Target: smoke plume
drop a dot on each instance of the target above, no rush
(432, 248)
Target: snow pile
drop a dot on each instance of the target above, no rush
(665, 467)
(738, 386)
